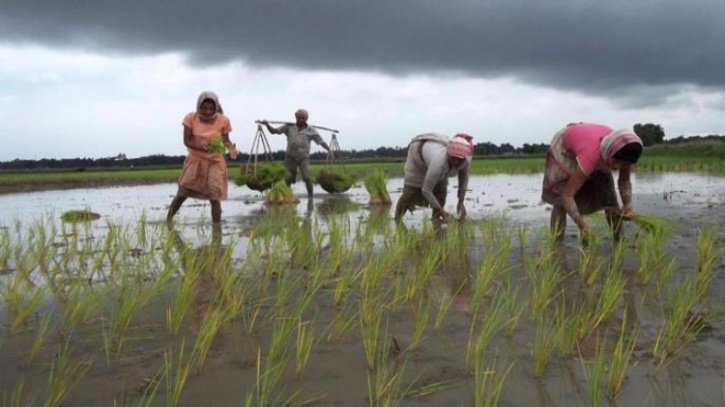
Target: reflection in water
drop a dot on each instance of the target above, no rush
(206, 265)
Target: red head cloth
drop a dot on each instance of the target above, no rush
(459, 147)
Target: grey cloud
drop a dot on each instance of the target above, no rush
(596, 47)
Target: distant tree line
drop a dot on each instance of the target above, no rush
(651, 134)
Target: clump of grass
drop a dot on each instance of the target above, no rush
(216, 146)
(280, 194)
(79, 216)
(334, 182)
(262, 176)
(376, 185)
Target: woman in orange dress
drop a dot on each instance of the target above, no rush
(204, 175)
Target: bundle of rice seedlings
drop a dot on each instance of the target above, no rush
(376, 185)
(216, 145)
(280, 194)
(650, 223)
(79, 216)
(334, 182)
(266, 175)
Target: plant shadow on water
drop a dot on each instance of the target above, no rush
(300, 304)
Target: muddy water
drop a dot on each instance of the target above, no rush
(336, 372)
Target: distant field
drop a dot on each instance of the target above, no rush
(703, 157)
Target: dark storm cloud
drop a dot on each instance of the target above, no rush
(598, 47)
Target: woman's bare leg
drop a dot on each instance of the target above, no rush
(558, 222)
(174, 207)
(216, 211)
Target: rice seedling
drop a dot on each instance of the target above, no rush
(594, 373)
(150, 387)
(370, 327)
(421, 317)
(650, 223)
(495, 263)
(385, 381)
(26, 304)
(545, 341)
(341, 324)
(651, 251)
(63, 376)
(706, 257)
(266, 381)
(39, 339)
(209, 330)
(176, 371)
(521, 234)
(488, 383)
(679, 319)
(303, 345)
(590, 266)
(568, 323)
(601, 304)
(544, 274)
(279, 342)
(443, 308)
(181, 302)
(513, 307)
(17, 398)
(280, 194)
(489, 325)
(216, 146)
(621, 355)
(376, 186)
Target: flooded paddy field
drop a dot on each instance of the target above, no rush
(328, 303)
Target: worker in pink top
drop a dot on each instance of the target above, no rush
(204, 175)
(578, 176)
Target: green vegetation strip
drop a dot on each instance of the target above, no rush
(654, 162)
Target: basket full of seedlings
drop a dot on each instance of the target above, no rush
(333, 178)
(260, 175)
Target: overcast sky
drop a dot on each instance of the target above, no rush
(94, 78)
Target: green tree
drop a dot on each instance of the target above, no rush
(650, 133)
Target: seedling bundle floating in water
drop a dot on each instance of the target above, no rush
(262, 176)
(79, 216)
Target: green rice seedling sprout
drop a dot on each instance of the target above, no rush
(216, 146)
(595, 373)
(150, 388)
(568, 323)
(606, 301)
(678, 324)
(385, 380)
(706, 257)
(342, 323)
(181, 302)
(495, 263)
(651, 224)
(280, 340)
(176, 371)
(376, 185)
(650, 249)
(490, 323)
(521, 234)
(16, 396)
(208, 331)
(39, 339)
(420, 322)
(370, 327)
(544, 344)
(544, 273)
(26, 306)
(443, 308)
(513, 307)
(488, 383)
(303, 346)
(621, 355)
(63, 376)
